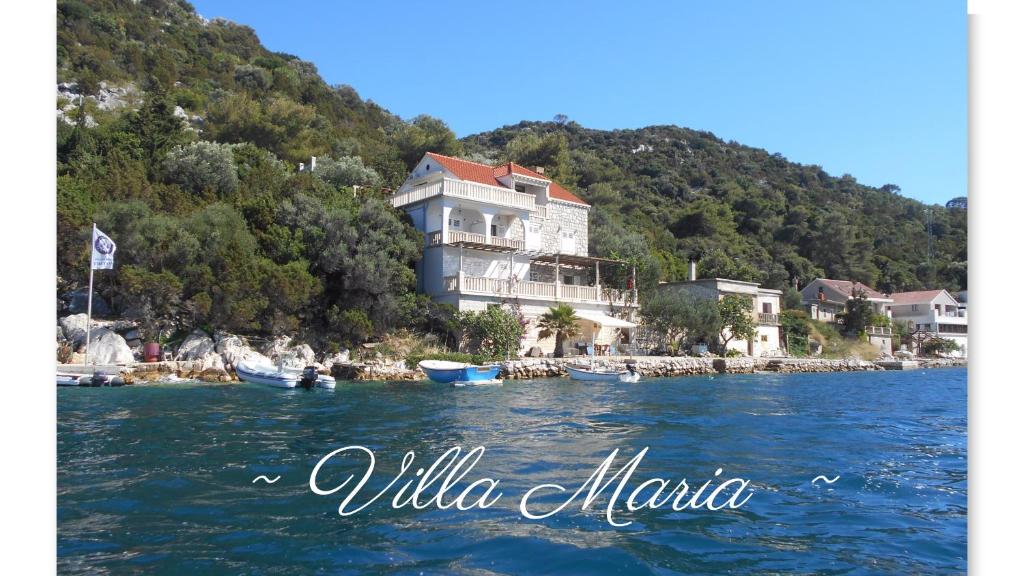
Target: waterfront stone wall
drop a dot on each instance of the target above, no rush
(527, 368)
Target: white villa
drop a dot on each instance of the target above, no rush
(824, 299)
(765, 308)
(506, 234)
(933, 313)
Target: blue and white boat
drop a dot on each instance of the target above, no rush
(460, 373)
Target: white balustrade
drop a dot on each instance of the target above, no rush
(467, 190)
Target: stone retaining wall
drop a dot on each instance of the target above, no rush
(527, 368)
(687, 366)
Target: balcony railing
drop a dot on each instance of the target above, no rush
(436, 239)
(767, 319)
(467, 191)
(878, 331)
(534, 290)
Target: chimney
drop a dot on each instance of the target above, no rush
(693, 269)
(538, 169)
(312, 163)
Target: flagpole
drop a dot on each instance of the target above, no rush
(88, 321)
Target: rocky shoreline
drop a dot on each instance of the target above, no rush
(212, 359)
(529, 368)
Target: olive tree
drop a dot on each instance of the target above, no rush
(202, 166)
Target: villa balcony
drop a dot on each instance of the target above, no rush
(767, 319)
(505, 288)
(463, 190)
(454, 236)
(878, 331)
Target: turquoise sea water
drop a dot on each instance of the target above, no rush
(158, 479)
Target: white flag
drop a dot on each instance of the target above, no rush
(102, 250)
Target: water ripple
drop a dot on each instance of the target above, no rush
(158, 479)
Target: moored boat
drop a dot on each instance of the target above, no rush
(248, 371)
(446, 372)
(595, 374)
(282, 376)
(64, 379)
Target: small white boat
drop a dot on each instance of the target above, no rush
(64, 379)
(310, 378)
(595, 374)
(268, 375)
(283, 377)
(96, 379)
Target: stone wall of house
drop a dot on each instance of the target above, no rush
(564, 216)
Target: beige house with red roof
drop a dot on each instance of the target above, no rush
(507, 234)
(931, 313)
(824, 299)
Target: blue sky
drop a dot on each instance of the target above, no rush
(870, 88)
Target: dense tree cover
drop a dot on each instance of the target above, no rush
(745, 213)
(217, 227)
(197, 181)
(682, 319)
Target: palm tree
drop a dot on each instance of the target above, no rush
(561, 322)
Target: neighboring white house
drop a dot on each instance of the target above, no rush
(932, 312)
(765, 308)
(506, 234)
(824, 299)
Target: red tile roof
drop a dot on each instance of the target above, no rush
(521, 170)
(557, 192)
(912, 297)
(484, 174)
(466, 170)
(846, 287)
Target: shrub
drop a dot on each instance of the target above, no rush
(253, 78)
(413, 359)
(203, 166)
(494, 333)
(936, 346)
(345, 171)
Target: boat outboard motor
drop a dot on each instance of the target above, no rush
(309, 377)
(100, 379)
(631, 368)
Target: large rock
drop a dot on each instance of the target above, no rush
(108, 347)
(304, 353)
(281, 351)
(233, 349)
(74, 328)
(197, 345)
(342, 357)
(78, 303)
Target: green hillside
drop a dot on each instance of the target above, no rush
(745, 213)
(182, 137)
